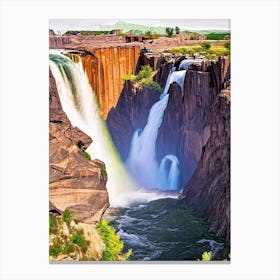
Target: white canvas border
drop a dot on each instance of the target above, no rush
(255, 138)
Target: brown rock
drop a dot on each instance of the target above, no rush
(208, 190)
(131, 113)
(76, 183)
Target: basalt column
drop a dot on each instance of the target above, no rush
(105, 68)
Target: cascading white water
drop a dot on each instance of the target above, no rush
(79, 104)
(141, 160)
(174, 76)
(168, 177)
(185, 64)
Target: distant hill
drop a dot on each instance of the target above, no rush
(137, 28)
(211, 31)
(141, 29)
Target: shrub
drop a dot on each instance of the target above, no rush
(146, 72)
(169, 31)
(68, 249)
(197, 49)
(206, 46)
(86, 155)
(54, 251)
(114, 245)
(67, 216)
(128, 77)
(144, 78)
(177, 30)
(151, 35)
(79, 239)
(206, 256)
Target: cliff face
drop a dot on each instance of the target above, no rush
(131, 113)
(75, 183)
(105, 73)
(184, 128)
(208, 190)
(105, 68)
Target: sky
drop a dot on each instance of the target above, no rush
(94, 24)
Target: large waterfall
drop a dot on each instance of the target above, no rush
(79, 103)
(141, 160)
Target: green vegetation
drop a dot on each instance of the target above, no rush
(67, 216)
(206, 256)
(177, 30)
(144, 78)
(78, 238)
(129, 77)
(55, 250)
(227, 45)
(151, 35)
(169, 31)
(103, 171)
(114, 245)
(210, 52)
(206, 46)
(86, 155)
(135, 28)
(63, 243)
(52, 224)
(217, 36)
(93, 32)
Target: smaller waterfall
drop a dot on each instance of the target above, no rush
(168, 176)
(185, 64)
(174, 76)
(141, 161)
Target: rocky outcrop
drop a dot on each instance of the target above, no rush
(131, 113)
(208, 190)
(75, 183)
(62, 247)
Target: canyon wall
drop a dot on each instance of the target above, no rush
(131, 113)
(208, 190)
(106, 71)
(75, 183)
(105, 68)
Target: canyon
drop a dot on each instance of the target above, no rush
(195, 127)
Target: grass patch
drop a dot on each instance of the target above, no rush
(206, 49)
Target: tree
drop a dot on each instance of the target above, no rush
(206, 46)
(169, 31)
(177, 30)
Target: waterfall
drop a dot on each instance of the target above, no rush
(79, 103)
(185, 64)
(141, 161)
(168, 178)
